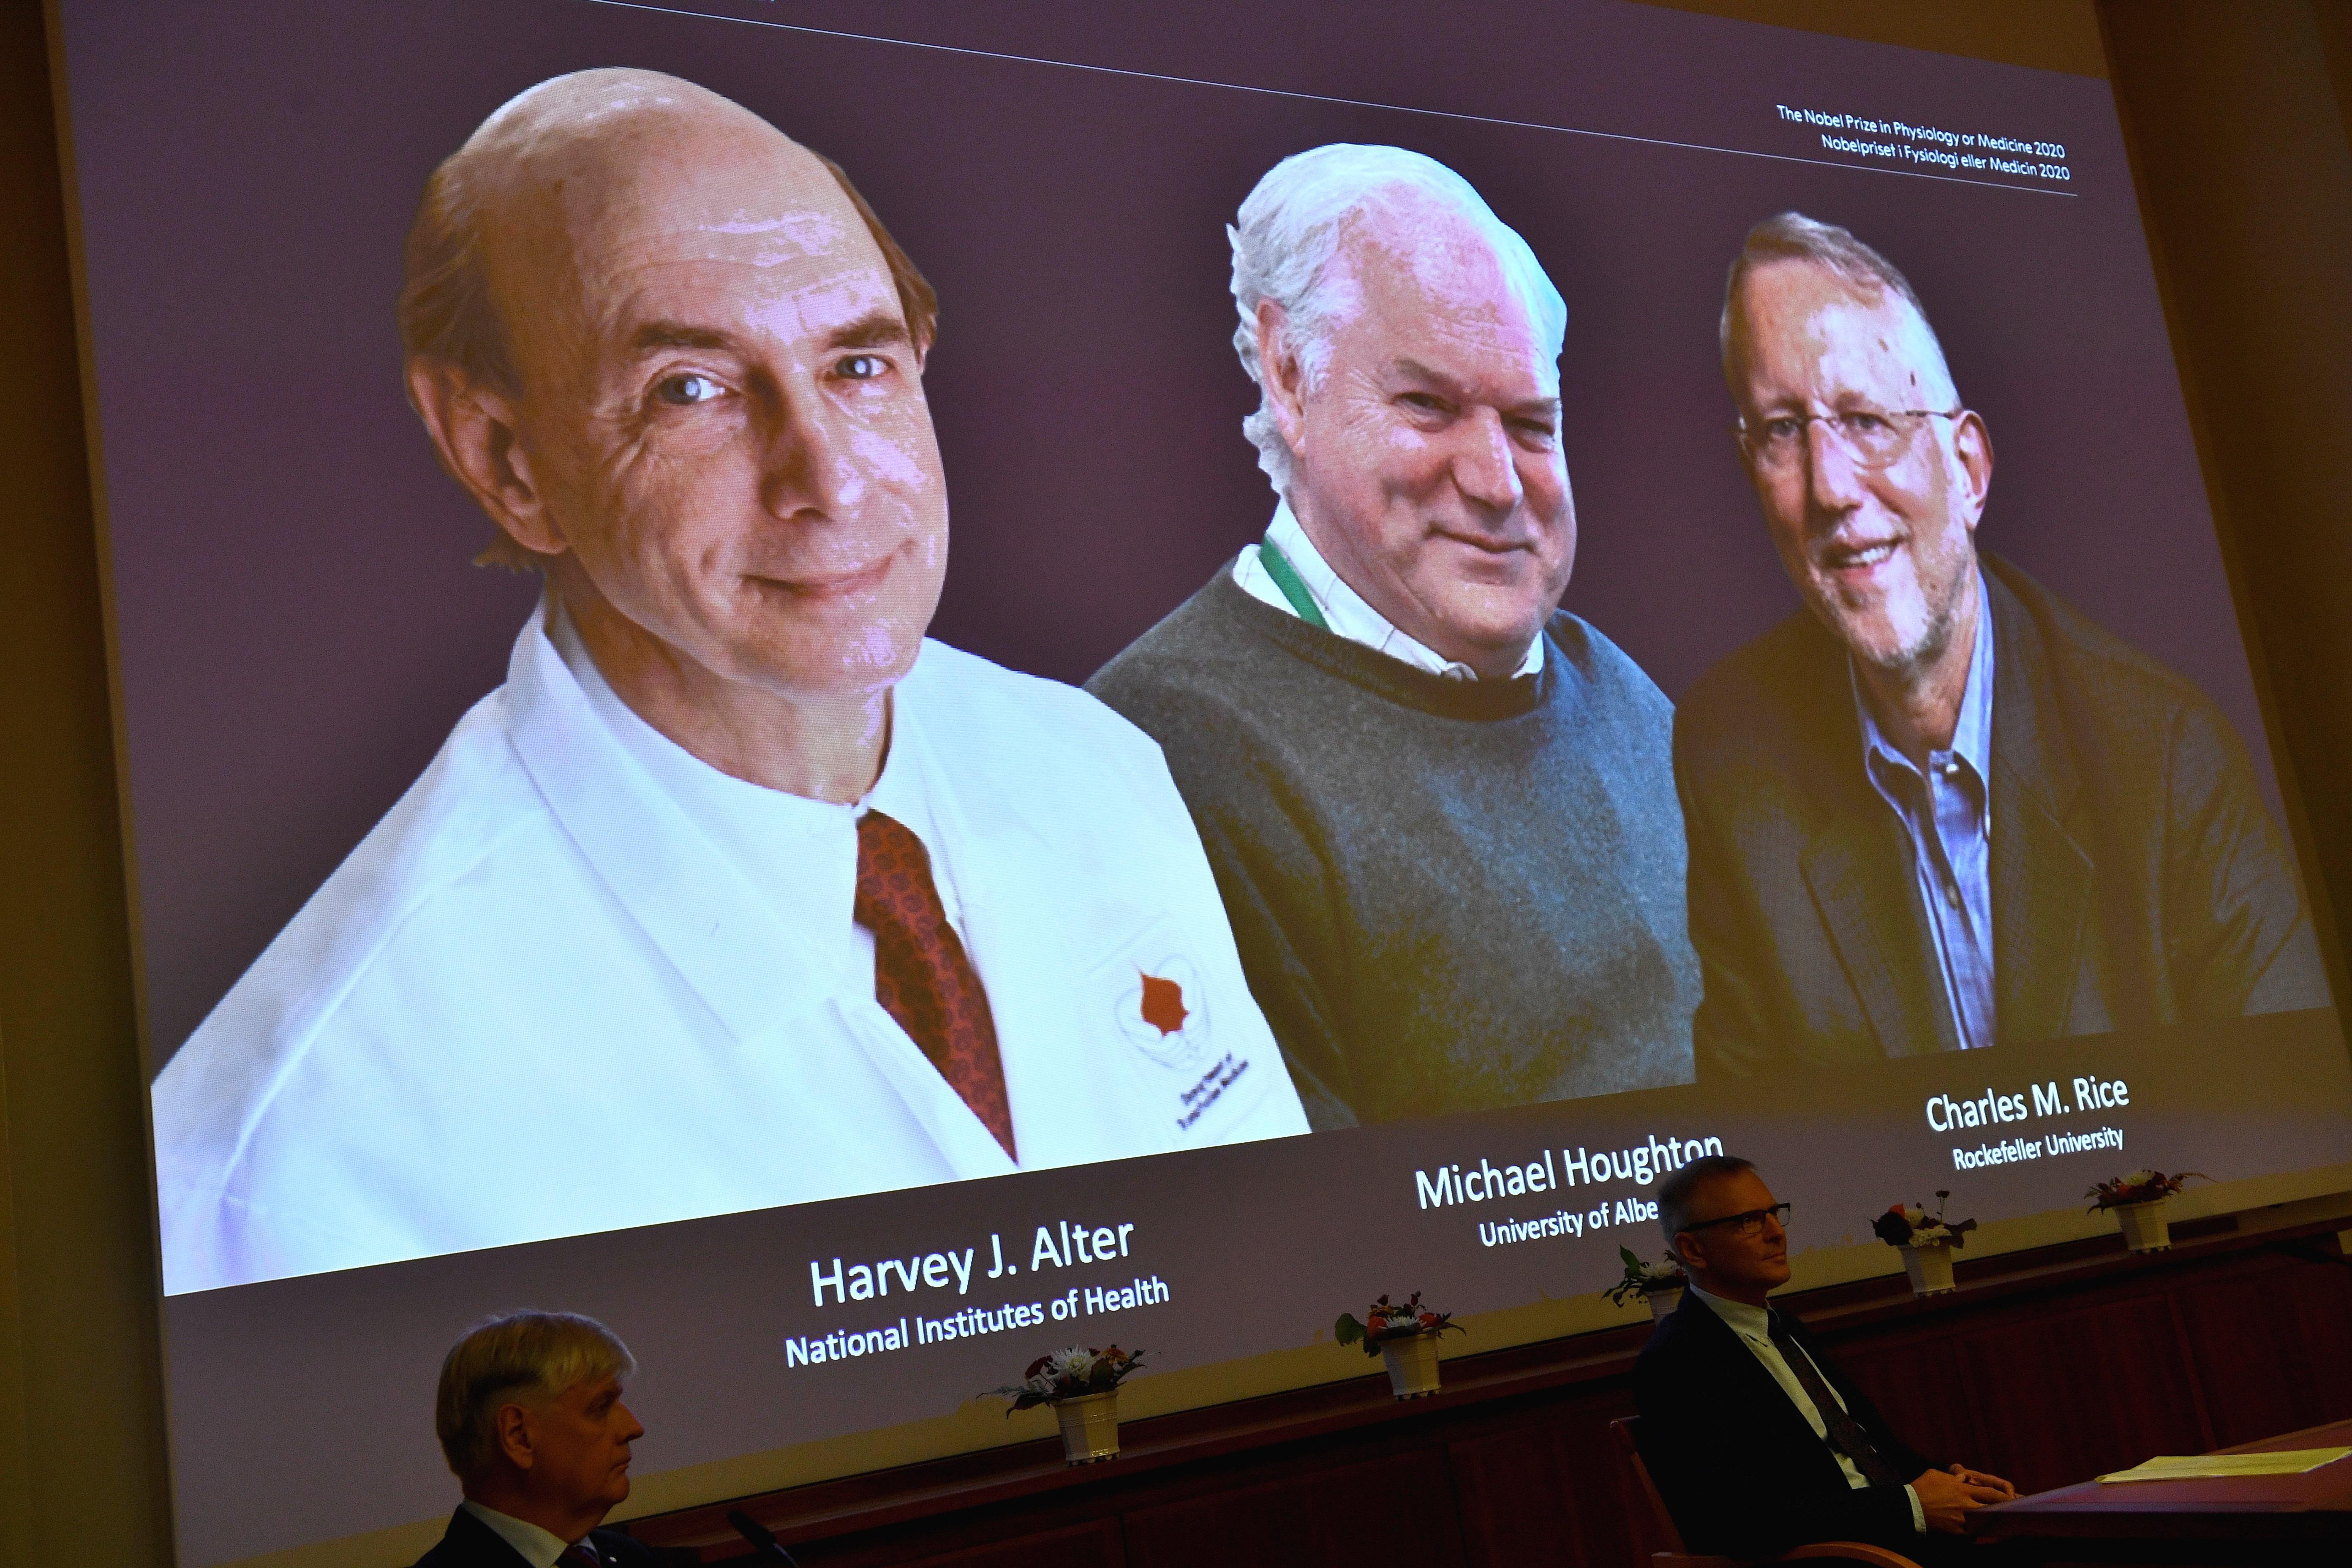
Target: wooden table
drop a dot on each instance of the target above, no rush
(2239, 1519)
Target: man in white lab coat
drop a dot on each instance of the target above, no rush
(739, 892)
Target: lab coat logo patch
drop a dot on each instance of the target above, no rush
(1163, 1013)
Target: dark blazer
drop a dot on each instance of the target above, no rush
(2137, 880)
(470, 1544)
(1738, 1465)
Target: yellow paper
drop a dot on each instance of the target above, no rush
(2199, 1466)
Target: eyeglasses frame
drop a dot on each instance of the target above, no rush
(1754, 446)
(1780, 1213)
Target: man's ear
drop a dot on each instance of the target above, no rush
(477, 434)
(1685, 1251)
(1281, 375)
(1972, 446)
(516, 1441)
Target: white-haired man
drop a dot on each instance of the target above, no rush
(1937, 809)
(530, 1416)
(741, 892)
(1440, 811)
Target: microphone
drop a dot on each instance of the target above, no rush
(760, 1537)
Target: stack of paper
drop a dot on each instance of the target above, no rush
(2199, 1466)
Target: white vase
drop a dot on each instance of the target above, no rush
(2146, 1226)
(1931, 1269)
(1412, 1365)
(1664, 1302)
(1089, 1426)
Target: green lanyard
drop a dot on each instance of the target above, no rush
(1286, 577)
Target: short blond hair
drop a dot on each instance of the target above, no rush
(519, 1358)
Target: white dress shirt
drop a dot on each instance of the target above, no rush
(538, 1547)
(1345, 609)
(802, 854)
(570, 935)
(1754, 1329)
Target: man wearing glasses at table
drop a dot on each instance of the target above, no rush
(1757, 1441)
(1937, 809)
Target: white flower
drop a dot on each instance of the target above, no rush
(2139, 1178)
(1916, 1217)
(1074, 1364)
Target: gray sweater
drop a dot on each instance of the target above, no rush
(1449, 895)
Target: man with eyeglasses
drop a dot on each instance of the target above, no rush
(1937, 809)
(1756, 1440)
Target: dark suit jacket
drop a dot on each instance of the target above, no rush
(2137, 880)
(470, 1544)
(1738, 1465)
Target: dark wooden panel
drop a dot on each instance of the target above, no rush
(1397, 1508)
(2061, 1396)
(1545, 1490)
(1096, 1545)
(1911, 1380)
(2272, 1349)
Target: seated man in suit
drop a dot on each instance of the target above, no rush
(1756, 1441)
(1938, 808)
(530, 1417)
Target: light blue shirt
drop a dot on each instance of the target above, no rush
(1947, 817)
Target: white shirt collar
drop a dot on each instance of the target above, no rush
(1345, 609)
(1749, 1322)
(539, 1547)
(800, 854)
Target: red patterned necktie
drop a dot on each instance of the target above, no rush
(921, 977)
(580, 1554)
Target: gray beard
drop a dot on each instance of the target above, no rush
(1906, 668)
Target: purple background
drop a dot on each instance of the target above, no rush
(297, 627)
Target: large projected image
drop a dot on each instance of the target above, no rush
(734, 869)
(869, 704)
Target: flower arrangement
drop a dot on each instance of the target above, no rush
(2140, 1187)
(1391, 1321)
(1070, 1374)
(1913, 1225)
(1643, 1280)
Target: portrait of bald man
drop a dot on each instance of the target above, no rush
(739, 891)
(1936, 808)
(1441, 810)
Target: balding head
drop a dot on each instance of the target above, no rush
(678, 363)
(553, 155)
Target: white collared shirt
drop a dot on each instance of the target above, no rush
(1755, 1330)
(554, 916)
(801, 854)
(1343, 608)
(538, 1547)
